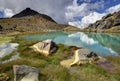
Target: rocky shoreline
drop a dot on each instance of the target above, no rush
(75, 57)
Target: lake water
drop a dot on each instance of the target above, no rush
(103, 44)
(6, 49)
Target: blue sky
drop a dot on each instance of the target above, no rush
(74, 12)
(106, 5)
(1, 14)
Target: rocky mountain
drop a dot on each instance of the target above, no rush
(30, 12)
(109, 23)
(31, 21)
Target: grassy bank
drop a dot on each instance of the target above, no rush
(4, 39)
(51, 70)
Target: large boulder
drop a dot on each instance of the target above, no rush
(25, 73)
(45, 47)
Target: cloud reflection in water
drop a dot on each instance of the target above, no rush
(80, 39)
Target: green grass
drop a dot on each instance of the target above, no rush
(51, 70)
(7, 57)
(4, 39)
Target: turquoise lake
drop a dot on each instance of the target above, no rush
(103, 44)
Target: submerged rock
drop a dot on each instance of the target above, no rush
(45, 47)
(25, 73)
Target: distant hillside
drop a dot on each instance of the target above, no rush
(29, 20)
(109, 23)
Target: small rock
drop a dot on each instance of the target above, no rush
(4, 77)
(106, 65)
(25, 73)
(45, 47)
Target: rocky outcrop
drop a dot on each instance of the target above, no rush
(45, 47)
(84, 56)
(81, 56)
(25, 73)
(109, 23)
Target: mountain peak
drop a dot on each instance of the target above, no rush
(26, 12)
(29, 12)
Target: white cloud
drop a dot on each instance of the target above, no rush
(81, 10)
(85, 11)
(113, 9)
(8, 12)
(92, 17)
(54, 8)
(86, 20)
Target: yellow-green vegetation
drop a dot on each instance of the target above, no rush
(51, 70)
(4, 39)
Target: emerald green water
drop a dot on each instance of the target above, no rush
(103, 44)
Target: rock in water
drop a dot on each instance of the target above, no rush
(46, 47)
(25, 73)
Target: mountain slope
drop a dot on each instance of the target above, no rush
(31, 21)
(30, 12)
(109, 23)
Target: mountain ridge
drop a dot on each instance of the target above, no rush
(108, 23)
(29, 20)
(30, 12)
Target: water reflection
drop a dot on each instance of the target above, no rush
(82, 40)
(40, 37)
(104, 44)
(6, 49)
(108, 40)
